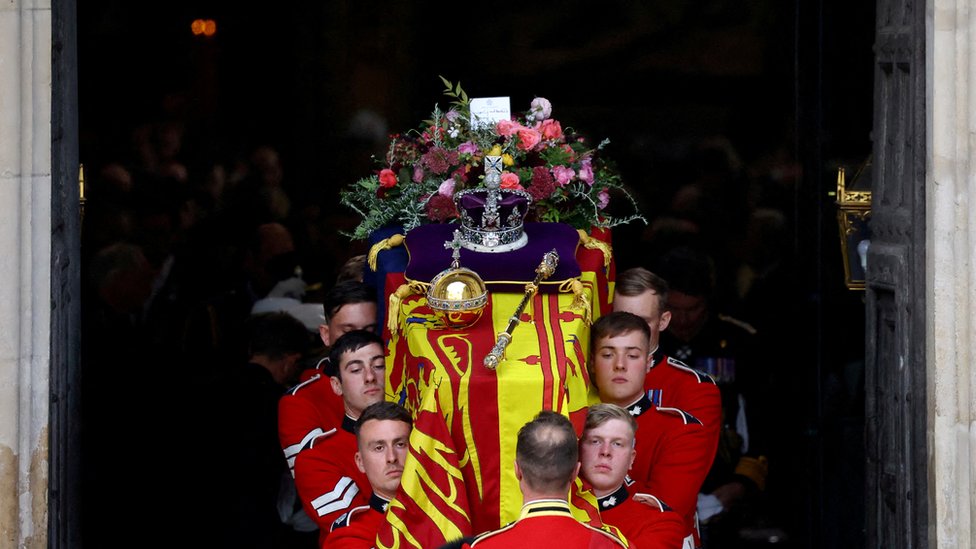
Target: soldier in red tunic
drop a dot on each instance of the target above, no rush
(606, 455)
(326, 476)
(674, 447)
(546, 463)
(383, 437)
(312, 408)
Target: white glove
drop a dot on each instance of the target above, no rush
(708, 507)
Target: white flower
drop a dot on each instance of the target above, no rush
(540, 109)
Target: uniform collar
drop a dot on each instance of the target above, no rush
(378, 503)
(614, 499)
(657, 355)
(640, 406)
(348, 424)
(542, 507)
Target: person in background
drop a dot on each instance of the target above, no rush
(244, 408)
(729, 350)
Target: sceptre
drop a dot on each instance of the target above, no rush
(542, 272)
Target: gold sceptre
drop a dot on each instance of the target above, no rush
(542, 272)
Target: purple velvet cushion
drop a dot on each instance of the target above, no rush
(502, 272)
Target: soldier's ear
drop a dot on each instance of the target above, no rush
(324, 335)
(665, 321)
(336, 385)
(359, 462)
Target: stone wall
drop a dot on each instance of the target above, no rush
(951, 273)
(25, 243)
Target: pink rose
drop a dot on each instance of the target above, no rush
(540, 108)
(603, 198)
(468, 147)
(510, 181)
(528, 138)
(506, 128)
(563, 175)
(551, 129)
(586, 171)
(388, 179)
(418, 174)
(446, 188)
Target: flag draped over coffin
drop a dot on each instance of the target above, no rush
(459, 476)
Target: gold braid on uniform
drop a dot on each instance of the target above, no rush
(581, 301)
(385, 244)
(396, 298)
(755, 469)
(591, 243)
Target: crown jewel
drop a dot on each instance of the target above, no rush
(457, 295)
(492, 218)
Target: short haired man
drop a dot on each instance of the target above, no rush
(674, 449)
(546, 464)
(606, 454)
(245, 411)
(328, 481)
(312, 408)
(383, 438)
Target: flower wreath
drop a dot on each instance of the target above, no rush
(569, 181)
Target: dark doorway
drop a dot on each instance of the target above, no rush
(779, 92)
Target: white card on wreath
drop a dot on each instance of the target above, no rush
(487, 111)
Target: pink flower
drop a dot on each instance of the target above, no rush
(603, 198)
(528, 138)
(468, 147)
(551, 129)
(418, 174)
(540, 108)
(446, 188)
(388, 179)
(563, 175)
(507, 128)
(510, 181)
(586, 171)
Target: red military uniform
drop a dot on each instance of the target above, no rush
(308, 410)
(319, 368)
(357, 528)
(644, 526)
(694, 398)
(548, 523)
(328, 481)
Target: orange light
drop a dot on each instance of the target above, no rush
(206, 27)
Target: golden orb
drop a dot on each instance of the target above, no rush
(458, 297)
